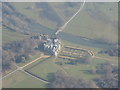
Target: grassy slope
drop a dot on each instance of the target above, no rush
(113, 13)
(61, 9)
(33, 13)
(8, 36)
(21, 80)
(85, 25)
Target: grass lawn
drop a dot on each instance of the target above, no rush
(95, 21)
(29, 82)
(48, 66)
(44, 69)
(80, 70)
(21, 80)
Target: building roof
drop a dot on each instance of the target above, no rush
(52, 45)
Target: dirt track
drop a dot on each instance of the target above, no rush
(42, 56)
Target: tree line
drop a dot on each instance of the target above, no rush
(60, 80)
(114, 51)
(20, 51)
(109, 78)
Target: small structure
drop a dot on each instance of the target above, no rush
(52, 46)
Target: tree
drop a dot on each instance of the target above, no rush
(109, 78)
(6, 60)
(60, 80)
(87, 59)
(18, 51)
(104, 68)
(23, 59)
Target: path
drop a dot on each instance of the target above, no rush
(42, 56)
(20, 68)
(62, 27)
(9, 74)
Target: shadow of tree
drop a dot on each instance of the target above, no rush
(50, 78)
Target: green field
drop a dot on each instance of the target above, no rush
(44, 69)
(80, 70)
(49, 66)
(58, 8)
(9, 36)
(96, 20)
(93, 25)
(21, 80)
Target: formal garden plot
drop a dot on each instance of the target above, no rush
(74, 53)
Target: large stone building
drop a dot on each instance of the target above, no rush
(52, 46)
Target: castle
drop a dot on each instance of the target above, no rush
(52, 46)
